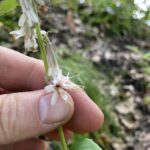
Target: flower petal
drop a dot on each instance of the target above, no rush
(54, 70)
(63, 94)
(22, 20)
(18, 33)
(54, 98)
(49, 88)
(69, 85)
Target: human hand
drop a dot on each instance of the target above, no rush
(25, 111)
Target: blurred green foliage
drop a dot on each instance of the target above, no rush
(9, 21)
(115, 17)
(145, 54)
(7, 5)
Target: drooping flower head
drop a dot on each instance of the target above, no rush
(27, 22)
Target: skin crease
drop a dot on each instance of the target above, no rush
(22, 73)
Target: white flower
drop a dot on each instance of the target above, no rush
(18, 33)
(29, 35)
(57, 86)
(59, 82)
(29, 16)
(31, 43)
(26, 23)
(22, 20)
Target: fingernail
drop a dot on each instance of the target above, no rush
(58, 113)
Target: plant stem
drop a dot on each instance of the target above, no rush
(62, 137)
(45, 60)
(42, 47)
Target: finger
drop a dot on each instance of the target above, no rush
(28, 114)
(2, 91)
(31, 145)
(26, 145)
(19, 72)
(87, 115)
(26, 79)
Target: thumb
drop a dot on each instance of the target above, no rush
(28, 114)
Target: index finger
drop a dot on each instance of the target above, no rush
(19, 72)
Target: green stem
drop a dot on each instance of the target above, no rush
(45, 60)
(42, 47)
(62, 137)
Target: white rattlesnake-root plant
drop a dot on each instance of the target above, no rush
(34, 37)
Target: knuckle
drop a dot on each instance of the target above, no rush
(8, 117)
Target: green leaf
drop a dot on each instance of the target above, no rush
(147, 70)
(146, 56)
(7, 5)
(85, 144)
(147, 100)
(133, 48)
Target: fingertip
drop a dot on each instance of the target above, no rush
(97, 120)
(87, 117)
